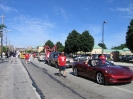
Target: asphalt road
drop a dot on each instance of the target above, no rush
(38, 80)
(15, 82)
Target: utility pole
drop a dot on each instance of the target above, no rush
(6, 32)
(2, 36)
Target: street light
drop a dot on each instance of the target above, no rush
(104, 22)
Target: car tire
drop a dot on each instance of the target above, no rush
(75, 71)
(56, 66)
(50, 64)
(100, 78)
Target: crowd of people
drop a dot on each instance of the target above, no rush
(16, 54)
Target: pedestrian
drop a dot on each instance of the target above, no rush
(6, 54)
(18, 54)
(14, 56)
(34, 55)
(88, 58)
(111, 58)
(3, 56)
(102, 58)
(62, 64)
(26, 57)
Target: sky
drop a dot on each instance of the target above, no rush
(33, 22)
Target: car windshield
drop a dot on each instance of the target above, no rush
(100, 62)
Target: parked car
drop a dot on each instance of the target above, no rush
(41, 56)
(129, 58)
(103, 71)
(125, 58)
(77, 57)
(80, 57)
(53, 59)
(22, 55)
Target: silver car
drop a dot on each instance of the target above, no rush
(41, 57)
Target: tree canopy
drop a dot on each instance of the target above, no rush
(49, 43)
(120, 47)
(79, 42)
(87, 42)
(2, 26)
(102, 45)
(60, 47)
(72, 42)
(129, 36)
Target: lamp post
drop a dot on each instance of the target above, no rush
(104, 22)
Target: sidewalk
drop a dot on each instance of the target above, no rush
(124, 64)
(15, 82)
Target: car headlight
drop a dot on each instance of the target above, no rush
(110, 72)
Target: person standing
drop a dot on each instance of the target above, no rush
(88, 58)
(14, 56)
(26, 57)
(34, 55)
(111, 58)
(62, 64)
(102, 57)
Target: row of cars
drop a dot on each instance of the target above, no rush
(102, 71)
(126, 58)
(52, 59)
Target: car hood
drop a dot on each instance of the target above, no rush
(119, 70)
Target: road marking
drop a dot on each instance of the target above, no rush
(123, 89)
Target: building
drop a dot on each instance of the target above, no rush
(40, 48)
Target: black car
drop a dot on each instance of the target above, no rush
(126, 58)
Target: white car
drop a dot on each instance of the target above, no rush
(41, 57)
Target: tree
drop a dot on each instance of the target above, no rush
(122, 46)
(2, 26)
(129, 36)
(72, 44)
(1, 35)
(4, 49)
(87, 42)
(50, 44)
(60, 47)
(102, 45)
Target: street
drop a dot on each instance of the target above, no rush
(37, 80)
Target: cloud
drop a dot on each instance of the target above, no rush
(8, 9)
(30, 31)
(127, 11)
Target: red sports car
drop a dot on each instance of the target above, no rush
(103, 71)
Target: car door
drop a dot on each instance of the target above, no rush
(55, 58)
(90, 69)
(80, 67)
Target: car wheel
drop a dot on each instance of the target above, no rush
(75, 71)
(56, 66)
(50, 64)
(100, 78)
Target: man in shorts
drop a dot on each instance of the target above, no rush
(62, 64)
